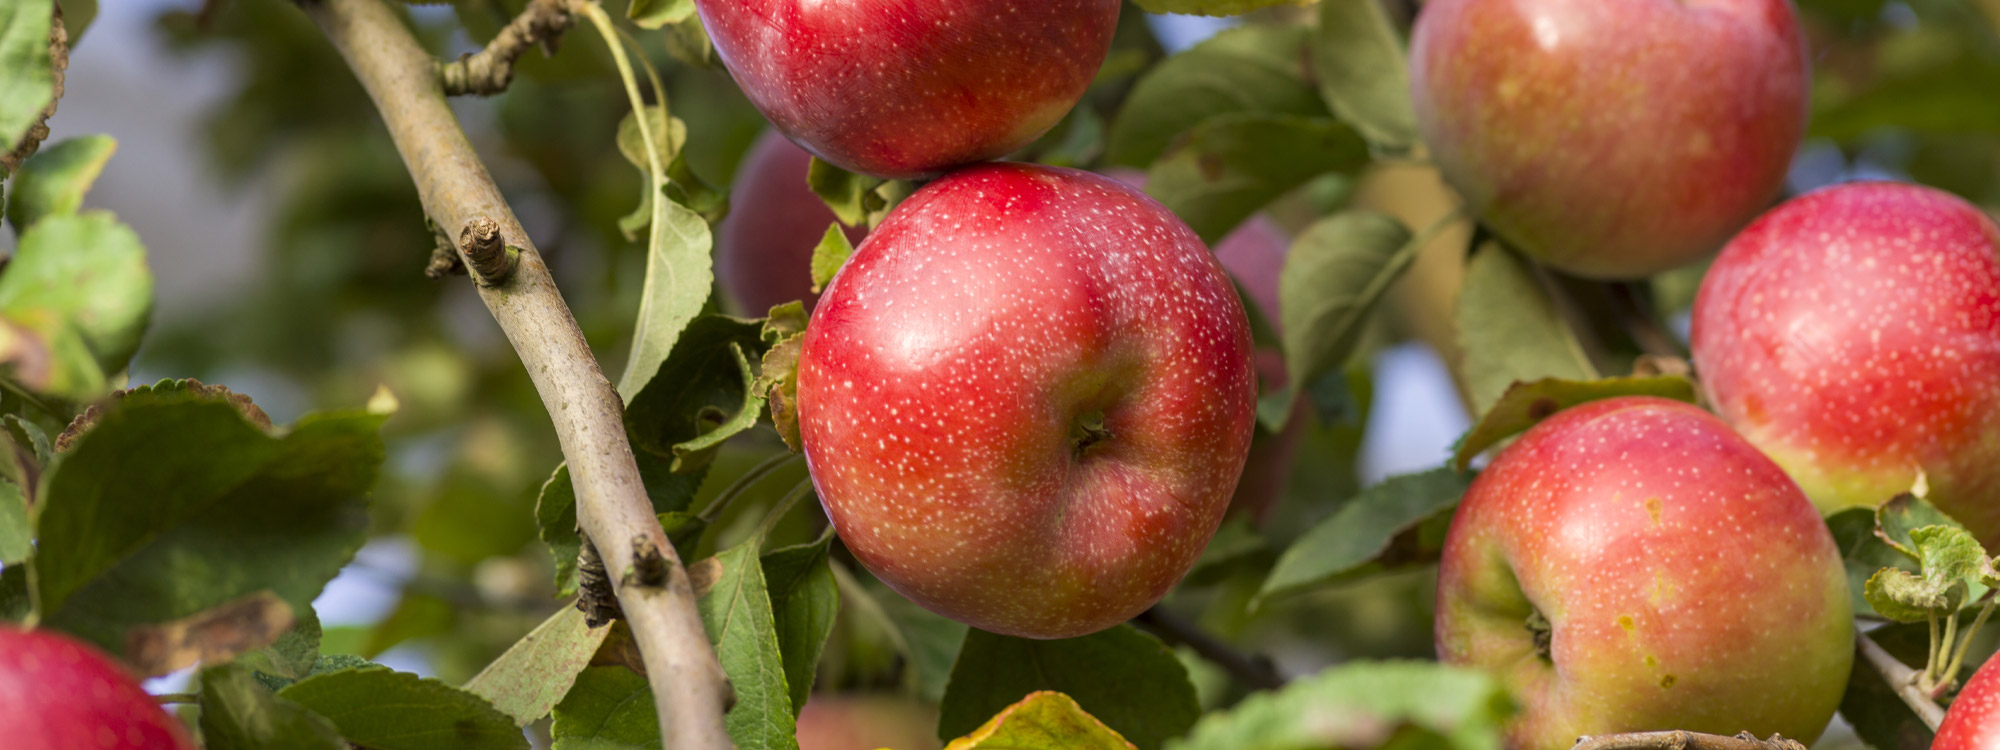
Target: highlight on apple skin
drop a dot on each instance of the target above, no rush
(1633, 565)
(1853, 334)
(1027, 399)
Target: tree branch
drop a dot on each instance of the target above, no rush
(1253, 670)
(1900, 677)
(690, 689)
(488, 71)
(1682, 740)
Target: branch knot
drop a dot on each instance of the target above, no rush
(491, 258)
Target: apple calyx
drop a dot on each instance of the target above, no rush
(1088, 433)
(1543, 633)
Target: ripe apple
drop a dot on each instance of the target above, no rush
(763, 254)
(1854, 334)
(1972, 723)
(866, 722)
(1611, 139)
(59, 694)
(905, 89)
(1027, 398)
(1633, 565)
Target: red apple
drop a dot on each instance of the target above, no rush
(59, 694)
(1854, 334)
(1611, 139)
(764, 249)
(1973, 723)
(909, 88)
(1027, 398)
(1633, 565)
(866, 722)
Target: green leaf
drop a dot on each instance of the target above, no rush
(610, 708)
(778, 373)
(1232, 165)
(843, 191)
(1896, 519)
(1362, 531)
(382, 709)
(1257, 69)
(831, 253)
(668, 132)
(1124, 677)
(1365, 705)
(29, 82)
(1862, 552)
(737, 612)
(80, 281)
(804, 602)
(555, 510)
(1333, 277)
(679, 275)
(1948, 98)
(167, 507)
(1212, 7)
(53, 181)
(292, 657)
(16, 602)
(529, 679)
(1948, 553)
(1908, 597)
(77, 17)
(16, 539)
(654, 14)
(1525, 404)
(699, 395)
(1045, 720)
(417, 615)
(929, 642)
(1363, 71)
(1511, 330)
(240, 713)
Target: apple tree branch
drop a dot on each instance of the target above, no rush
(490, 70)
(1683, 740)
(1901, 677)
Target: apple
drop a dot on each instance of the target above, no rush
(764, 248)
(1027, 398)
(58, 694)
(904, 89)
(1633, 565)
(1972, 723)
(1854, 335)
(1611, 139)
(866, 722)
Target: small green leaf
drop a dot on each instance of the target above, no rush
(1525, 404)
(1365, 705)
(1862, 552)
(16, 539)
(700, 394)
(529, 679)
(1363, 529)
(1948, 553)
(1045, 720)
(1212, 7)
(292, 657)
(1257, 69)
(804, 602)
(30, 81)
(832, 252)
(240, 713)
(80, 280)
(845, 192)
(736, 609)
(679, 275)
(1231, 166)
(555, 510)
(1907, 597)
(1902, 514)
(382, 709)
(610, 708)
(1334, 275)
(668, 132)
(1363, 71)
(1124, 677)
(1511, 330)
(53, 181)
(655, 14)
(778, 373)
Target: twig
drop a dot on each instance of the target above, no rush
(490, 70)
(1253, 670)
(58, 66)
(1901, 678)
(1965, 643)
(1683, 740)
(690, 690)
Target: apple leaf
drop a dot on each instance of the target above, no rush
(1367, 529)
(1896, 519)
(679, 274)
(845, 192)
(16, 601)
(1246, 69)
(165, 509)
(16, 541)
(213, 635)
(555, 510)
(53, 181)
(804, 602)
(1363, 71)
(1126, 678)
(80, 283)
(24, 53)
(736, 608)
(1863, 553)
(1333, 277)
(699, 395)
(1045, 720)
(832, 252)
(293, 655)
(1212, 7)
(610, 708)
(655, 14)
(528, 680)
(1908, 597)
(1945, 94)
(382, 709)
(1364, 705)
(778, 373)
(1510, 329)
(1524, 404)
(928, 643)
(1230, 166)
(1948, 553)
(240, 713)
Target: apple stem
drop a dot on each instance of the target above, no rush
(1684, 740)
(784, 506)
(1965, 642)
(1934, 673)
(1901, 678)
(744, 483)
(1252, 670)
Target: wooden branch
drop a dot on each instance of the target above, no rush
(690, 689)
(490, 70)
(1253, 670)
(1900, 677)
(1681, 740)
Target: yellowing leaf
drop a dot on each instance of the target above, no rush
(1045, 720)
